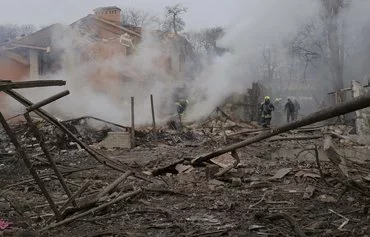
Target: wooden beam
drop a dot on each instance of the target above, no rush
(123, 197)
(22, 153)
(47, 101)
(50, 118)
(4, 86)
(40, 138)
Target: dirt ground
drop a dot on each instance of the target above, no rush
(244, 202)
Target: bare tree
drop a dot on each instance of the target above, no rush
(270, 63)
(310, 47)
(173, 19)
(26, 29)
(332, 8)
(139, 18)
(10, 31)
(204, 42)
(320, 43)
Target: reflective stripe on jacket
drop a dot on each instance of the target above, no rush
(266, 110)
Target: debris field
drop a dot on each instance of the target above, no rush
(215, 178)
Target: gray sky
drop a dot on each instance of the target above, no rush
(201, 13)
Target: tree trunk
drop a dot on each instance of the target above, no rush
(332, 9)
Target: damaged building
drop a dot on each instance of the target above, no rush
(220, 174)
(95, 37)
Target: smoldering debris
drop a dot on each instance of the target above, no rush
(173, 189)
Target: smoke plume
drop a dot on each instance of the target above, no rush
(258, 25)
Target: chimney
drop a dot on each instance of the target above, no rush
(112, 14)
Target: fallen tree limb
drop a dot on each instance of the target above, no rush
(347, 107)
(93, 210)
(296, 228)
(114, 184)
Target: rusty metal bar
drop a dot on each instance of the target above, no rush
(21, 152)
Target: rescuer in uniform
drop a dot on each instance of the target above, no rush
(289, 109)
(266, 112)
(181, 105)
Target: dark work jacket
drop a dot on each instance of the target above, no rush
(289, 106)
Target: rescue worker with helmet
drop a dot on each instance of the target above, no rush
(181, 105)
(266, 109)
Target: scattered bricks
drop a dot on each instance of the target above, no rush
(116, 140)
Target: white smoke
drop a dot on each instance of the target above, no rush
(259, 24)
(94, 92)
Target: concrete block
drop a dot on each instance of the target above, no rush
(116, 140)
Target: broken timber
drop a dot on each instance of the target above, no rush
(94, 210)
(97, 119)
(47, 101)
(37, 133)
(346, 107)
(8, 85)
(50, 118)
(115, 183)
(71, 199)
(27, 162)
(235, 155)
(334, 156)
(223, 113)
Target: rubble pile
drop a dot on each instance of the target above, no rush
(301, 179)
